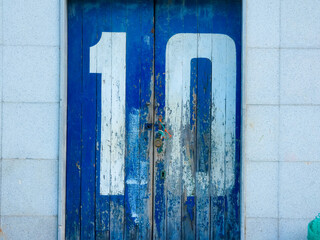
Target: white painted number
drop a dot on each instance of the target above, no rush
(108, 57)
(220, 50)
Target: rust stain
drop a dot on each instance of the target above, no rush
(78, 166)
(2, 235)
(152, 30)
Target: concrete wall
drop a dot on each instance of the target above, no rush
(281, 107)
(29, 50)
(282, 112)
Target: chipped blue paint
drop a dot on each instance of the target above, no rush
(159, 201)
(203, 79)
(149, 206)
(190, 203)
(90, 214)
(216, 202)
(74, 125)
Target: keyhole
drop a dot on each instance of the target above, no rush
(163, 174)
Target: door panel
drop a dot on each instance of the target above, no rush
(110, 95)
(197, 88)
(143, 73)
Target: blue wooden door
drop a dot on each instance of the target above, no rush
(153, 119)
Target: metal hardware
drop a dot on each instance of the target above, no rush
(158, 142)
(163, 174)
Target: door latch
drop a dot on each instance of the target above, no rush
(158, 140)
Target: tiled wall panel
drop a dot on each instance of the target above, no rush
(281, 114)
(29, 118)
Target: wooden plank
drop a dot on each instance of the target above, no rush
(108, 57)
(226, 223)
(88, 158)
(204, 82)
(103, 24)
(233, 114)
(223, 155)
(133, 121)
(74, 121)
(203, 132)
(177, 117)
(232, 230)
(161, 38)
(146, 116)
(118, 70)
(174, 120)
(218, 140)
(190, 22)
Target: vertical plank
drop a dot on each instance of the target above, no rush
(204, 82)
(232, 229)
(88, 128)
(233, 111)
(203, 132)
(103, 24)
(146, 116)
(190, 22)
(133, 121)
(174, 149)
(138, 194)
(112, 136)
(117, 212)
(74, 121)
(161, 37)
(218, 141)
(226, 223)
(177, 116)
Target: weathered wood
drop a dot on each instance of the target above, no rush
(162, 35)
(232, 197)
(128, 68)
(133, 123)
(189, 132)
(102, 201)
(204, 82)
(204, 118)
(88, 157)
(138, 198)
(146, 116)
(74, 122)
(117, 208)
(113, 81)
(218, 144)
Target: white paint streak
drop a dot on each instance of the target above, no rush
(220, 49)
(135, 216)
(108, 57)
(230, 115)
(136, 182)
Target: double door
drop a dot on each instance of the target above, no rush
(153, 119)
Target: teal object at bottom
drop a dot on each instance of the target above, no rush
(314, 229)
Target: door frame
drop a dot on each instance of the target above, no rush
(63, 80)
